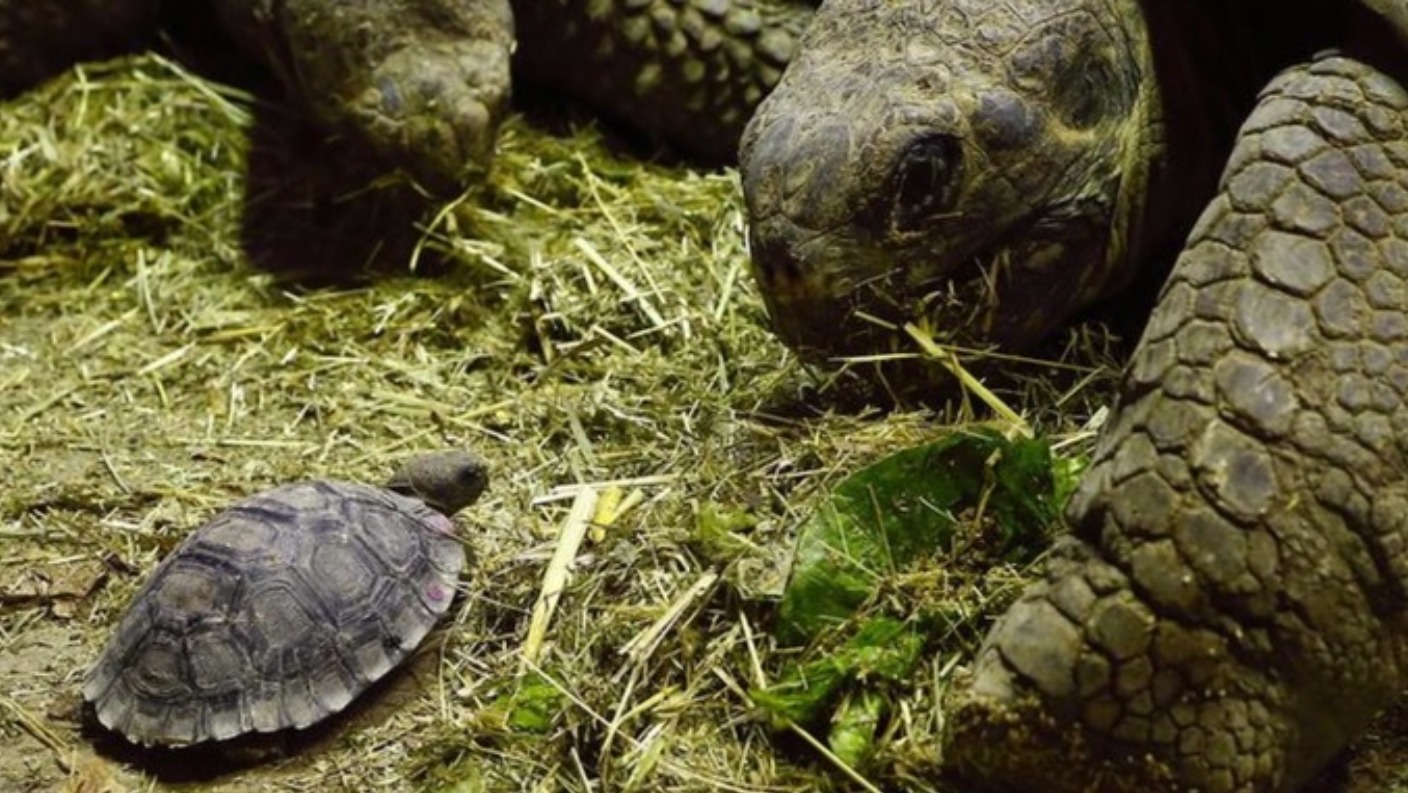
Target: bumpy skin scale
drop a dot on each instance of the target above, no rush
(281, 609)
(1231, 608)
(982, 164)
(687, 71)
(424, 83)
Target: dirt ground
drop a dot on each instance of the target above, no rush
(181, 325)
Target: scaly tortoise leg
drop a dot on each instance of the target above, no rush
(1230, 611)
(424, 83)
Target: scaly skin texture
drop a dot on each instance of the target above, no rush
(687, 71)
(424, 83)
(1230, 610)
(900, 124)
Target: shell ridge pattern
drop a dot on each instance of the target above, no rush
(274, 614)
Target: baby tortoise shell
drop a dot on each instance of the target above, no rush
(284, 607)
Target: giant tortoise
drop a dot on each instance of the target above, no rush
(1231, 606)
(424, 83)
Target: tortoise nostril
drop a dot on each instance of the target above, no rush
(926, 179)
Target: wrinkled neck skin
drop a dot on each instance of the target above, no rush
(978, 167)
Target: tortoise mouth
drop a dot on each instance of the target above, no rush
(438, 523)
(831, 297)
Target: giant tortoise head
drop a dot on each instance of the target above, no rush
(976, 166)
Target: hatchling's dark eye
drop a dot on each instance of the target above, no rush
(926, 179)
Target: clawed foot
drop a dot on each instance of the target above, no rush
(1082, 686)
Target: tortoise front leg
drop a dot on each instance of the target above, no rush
(1230, 611)
(424, 83)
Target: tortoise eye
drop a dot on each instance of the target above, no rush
(1083, 93)
(926, 180)
(474, 478)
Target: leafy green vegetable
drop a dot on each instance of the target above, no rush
(878, 523)
(855, 724)
(884, 649)
(1066, 473)
(885, 516)
(532, 705)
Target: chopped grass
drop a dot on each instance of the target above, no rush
(585, 320)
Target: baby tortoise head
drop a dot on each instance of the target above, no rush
(977, 167)
(447, 481)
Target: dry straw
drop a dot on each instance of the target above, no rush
(585, 320)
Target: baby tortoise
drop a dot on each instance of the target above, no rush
(284, 607)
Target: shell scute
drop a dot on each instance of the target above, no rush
(276, 613)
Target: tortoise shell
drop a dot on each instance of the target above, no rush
(275, 614)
